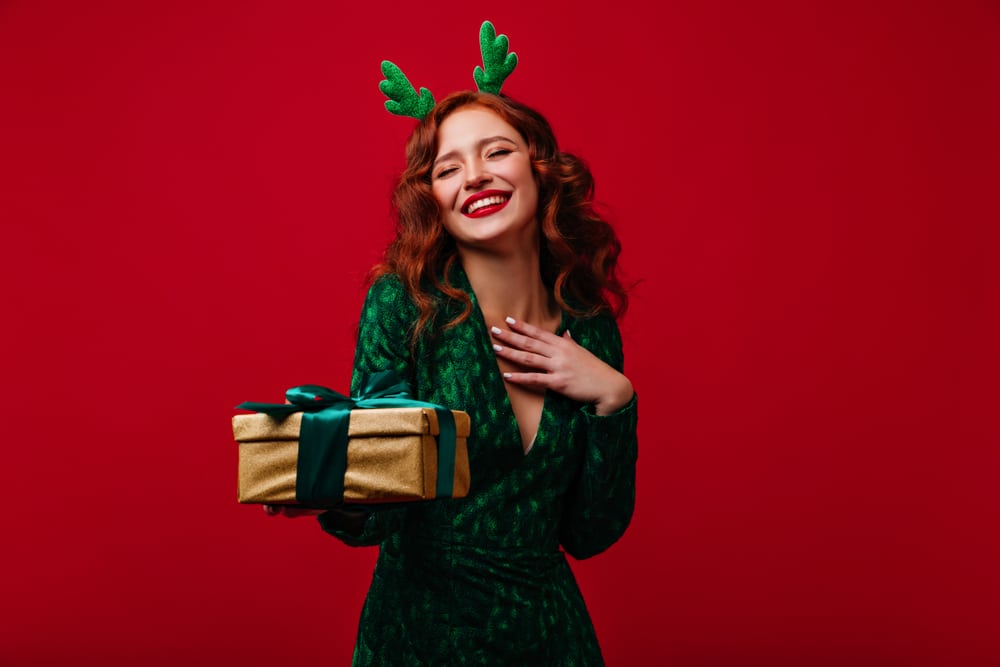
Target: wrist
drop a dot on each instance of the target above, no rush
(615, 399)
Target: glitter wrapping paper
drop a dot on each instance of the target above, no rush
(391, 456)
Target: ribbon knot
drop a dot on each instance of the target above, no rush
(322, 456)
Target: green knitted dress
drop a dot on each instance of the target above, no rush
(482, 580)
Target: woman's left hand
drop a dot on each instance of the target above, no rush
(561, 365)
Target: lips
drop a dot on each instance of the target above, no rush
(485, 203)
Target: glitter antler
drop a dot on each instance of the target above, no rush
(499, 64)
(403, 97)
(404, 100)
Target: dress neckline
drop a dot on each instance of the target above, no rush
(462, 282)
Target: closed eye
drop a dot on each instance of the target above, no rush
(444, 173)
(499, 152)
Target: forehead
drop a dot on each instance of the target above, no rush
(464, 128)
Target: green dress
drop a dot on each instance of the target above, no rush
(482, 580)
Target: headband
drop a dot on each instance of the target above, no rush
(404, 100)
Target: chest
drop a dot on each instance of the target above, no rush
(510, 425)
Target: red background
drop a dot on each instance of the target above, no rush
(190, 194)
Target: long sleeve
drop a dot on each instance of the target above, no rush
(599, 505)
(387, 319)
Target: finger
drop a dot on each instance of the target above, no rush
(295, 512)
(530, 330)
(542, 380)
(522, 342)
(523, 358)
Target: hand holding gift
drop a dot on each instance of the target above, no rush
(290, 511)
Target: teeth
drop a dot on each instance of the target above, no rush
(486, 201)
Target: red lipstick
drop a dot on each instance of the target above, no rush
(485, 203)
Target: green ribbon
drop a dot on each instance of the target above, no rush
(322, 458)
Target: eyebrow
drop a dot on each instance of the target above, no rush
(479, 146)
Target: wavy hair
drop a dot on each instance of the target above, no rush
(578, 250)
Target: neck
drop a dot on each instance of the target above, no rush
(509, 285)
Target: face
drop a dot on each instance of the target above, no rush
(482, 180)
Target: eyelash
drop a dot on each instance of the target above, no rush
(499, 152)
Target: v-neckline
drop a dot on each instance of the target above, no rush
(498, 373)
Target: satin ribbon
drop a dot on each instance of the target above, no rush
(322, 458)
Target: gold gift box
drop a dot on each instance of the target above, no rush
(391, 456)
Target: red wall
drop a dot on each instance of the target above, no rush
(190, 195)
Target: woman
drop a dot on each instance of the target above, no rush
(497, 297)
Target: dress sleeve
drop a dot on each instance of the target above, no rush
(600, 502)
(387, 319)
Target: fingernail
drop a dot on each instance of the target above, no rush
(496, 330)
(507, 375)
(511, 320)
(497, 348)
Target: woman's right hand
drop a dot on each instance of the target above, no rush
(290, 511)
(560, 364)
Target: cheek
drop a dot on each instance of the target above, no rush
(531, 193)
(443, 194)
(527, 178)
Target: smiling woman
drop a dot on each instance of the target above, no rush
(498, 297)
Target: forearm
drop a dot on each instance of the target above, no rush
(599, 507)
(361, 528)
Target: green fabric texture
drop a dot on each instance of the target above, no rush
(482, 580)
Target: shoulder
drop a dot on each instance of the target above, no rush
(388, 286)
(388, 305)
(388, 292)
(599, 328)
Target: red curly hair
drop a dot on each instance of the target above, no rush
(579, 250)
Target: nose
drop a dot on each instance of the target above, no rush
(475, 175)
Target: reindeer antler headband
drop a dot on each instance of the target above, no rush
(404, 100)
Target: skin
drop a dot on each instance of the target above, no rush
(478, 151)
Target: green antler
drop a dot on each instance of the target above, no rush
(499, 64)
(403, 97)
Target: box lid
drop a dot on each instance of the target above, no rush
(374, 422)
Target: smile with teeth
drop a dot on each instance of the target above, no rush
(492, 200)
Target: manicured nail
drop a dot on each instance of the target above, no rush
(511, 320)
(497, 348)
(496, 330)
(507, 375)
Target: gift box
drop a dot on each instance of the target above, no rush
(392, 456)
